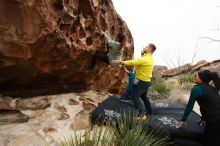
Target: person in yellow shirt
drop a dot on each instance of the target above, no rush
(144, 69)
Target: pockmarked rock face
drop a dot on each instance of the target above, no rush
(47, 46)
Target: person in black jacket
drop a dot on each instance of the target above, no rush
(208, 99)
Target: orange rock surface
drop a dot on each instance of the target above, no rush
(46, 46)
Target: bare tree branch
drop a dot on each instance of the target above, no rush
(168, 61)
(195, 52)
(172, 62)
(217, 27)
(209, 38)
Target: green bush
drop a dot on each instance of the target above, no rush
(186, 79)
(160, 86)
(129, 132)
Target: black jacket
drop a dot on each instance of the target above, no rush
(209, 104)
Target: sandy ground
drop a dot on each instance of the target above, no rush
(51, 125)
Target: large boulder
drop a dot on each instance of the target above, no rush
(214, 67)
(158, 69)
(4, 105)
(12, 116)
(46, 46)
(200, 64)
(176, 71)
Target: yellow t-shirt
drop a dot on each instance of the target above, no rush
(144, 67)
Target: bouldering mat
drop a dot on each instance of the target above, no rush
(111, 108)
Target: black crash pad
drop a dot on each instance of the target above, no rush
(169, 112)
(191, 131)
(186, 142)
(163, 107)
(112, 107)
(167, 115)
(158, 107)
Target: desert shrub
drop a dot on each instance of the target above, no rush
(173, 83)
(186, 78)
(160, 86)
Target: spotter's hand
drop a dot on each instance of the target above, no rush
(181, 124)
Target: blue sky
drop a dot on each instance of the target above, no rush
(175, 26)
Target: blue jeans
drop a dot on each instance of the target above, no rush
(147, 102)
(139, 97)
(126, 95)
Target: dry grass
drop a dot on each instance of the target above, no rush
(187, 86)
(178, 96)
(172, 83)
(160, 86)
(186, 78)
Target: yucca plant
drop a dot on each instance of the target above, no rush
(132, 132)
(100, 136)
(127, 131)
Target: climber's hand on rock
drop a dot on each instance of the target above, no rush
(120, 66)
(102, 32)
(115, 61)
(181, 124)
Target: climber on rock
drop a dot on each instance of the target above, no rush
(114, 51)
(144, 69)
